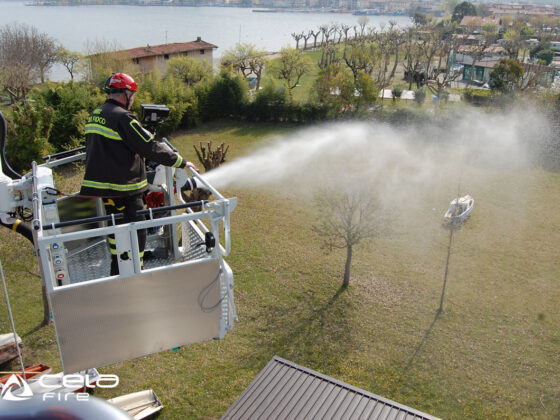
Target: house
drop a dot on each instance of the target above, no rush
(466, 39)
(466, 53)
(482, 69)
(555, 45)
(533, 42)
(156, 56)
(515, 10)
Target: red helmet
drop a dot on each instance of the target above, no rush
(120, 81)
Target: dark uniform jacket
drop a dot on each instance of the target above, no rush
(116, 145)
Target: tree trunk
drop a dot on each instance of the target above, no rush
(346, 281)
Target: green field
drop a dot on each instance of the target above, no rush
(494, 352)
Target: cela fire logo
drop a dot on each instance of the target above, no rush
(16, 389)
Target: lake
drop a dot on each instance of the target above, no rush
(135, 26)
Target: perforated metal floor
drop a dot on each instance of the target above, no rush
(93, 260)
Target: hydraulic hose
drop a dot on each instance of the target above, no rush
(20, 227)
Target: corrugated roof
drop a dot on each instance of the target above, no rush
(174, 48)
(284, 390)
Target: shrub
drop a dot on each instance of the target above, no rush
(29, 126)
(270, 103)
(419, 96)
(72, 102)
(478, 96)
(224, 96)
(169, 91)
(341, 94)
(397, 91)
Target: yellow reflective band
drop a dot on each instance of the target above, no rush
(141, 253)
(109, 202)
(116, 187)
(120, 208)
(16, 224)
(142, 132)
(177, 163)
(113, 251)
(112, 241)
(102, 131)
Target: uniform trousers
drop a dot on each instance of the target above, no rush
(128, 206)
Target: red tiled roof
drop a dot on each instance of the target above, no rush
(488, 50)
(174, 48)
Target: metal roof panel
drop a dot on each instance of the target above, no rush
(285, 390)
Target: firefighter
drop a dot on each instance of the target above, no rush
(116, 146)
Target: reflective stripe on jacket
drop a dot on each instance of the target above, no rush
(116, 145)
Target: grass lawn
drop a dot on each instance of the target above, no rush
(494, 352)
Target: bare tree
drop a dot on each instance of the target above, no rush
(360, 55)
(396, 40)
(445, 45)
(45, 53)
(257, 64)
(25, 57)
(512, 42)
(388, 43)
(431, 46)
(297, 37)
(338, 31)
(238, 58)
(412, 55)
(362, 23)
(315, 35)
(344, 30)
(209, 158)
(534, 75)
(326, 32)
(103, 59)
(347, 218)
(306, 37)
(328, 56)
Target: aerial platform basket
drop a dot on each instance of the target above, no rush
(183, 294)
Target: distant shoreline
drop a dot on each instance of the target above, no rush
(169, 4)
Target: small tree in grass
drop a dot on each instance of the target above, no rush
(347, 219)
(396, 92)
(293, 65)
(419, 96)
(70, 60)
(210, 158)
